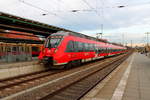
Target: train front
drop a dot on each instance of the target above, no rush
(49, 50)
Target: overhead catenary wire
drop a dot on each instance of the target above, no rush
(91, 7)
(48, 12)
(51, 13)
(29, 4)
(96, 11)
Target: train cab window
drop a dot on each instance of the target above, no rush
(52, 42)
(70, 47)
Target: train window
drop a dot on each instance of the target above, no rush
(35, 48)
(104, 50)
(8, 49)
(99, 50)
(27, 49)
(14, 48)
(21, 49)
(52, 42)
(93, 46)
(70, 47)
(75, 46)
(83, 49)
(0, 48)
(86, 47)
(108, 50)
(80, 47)
(89, 47)
(1, 52)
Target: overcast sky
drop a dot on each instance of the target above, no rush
(130, 22)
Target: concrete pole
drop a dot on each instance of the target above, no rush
(131, 43)
(147, 36)
(123, 39)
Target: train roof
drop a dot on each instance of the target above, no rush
(107, 44)
(79, 35)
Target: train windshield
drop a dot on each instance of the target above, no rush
(52, 42)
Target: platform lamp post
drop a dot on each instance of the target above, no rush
(131, 43)
(147, 36)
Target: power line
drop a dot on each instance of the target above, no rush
(90, 7)
(37, 7)
(95, 10)
(48, 12)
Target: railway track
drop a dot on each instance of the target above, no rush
(79, 88)
(16, 84)
(59, 82)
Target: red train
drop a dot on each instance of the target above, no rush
(71, 49)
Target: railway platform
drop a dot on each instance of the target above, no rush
(17, 64)
(130, 81)
(9, 70)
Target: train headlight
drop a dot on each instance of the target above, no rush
(55, 50)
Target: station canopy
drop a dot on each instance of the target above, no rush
(15, 23)
(9, 23)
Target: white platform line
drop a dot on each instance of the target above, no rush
(118, 93)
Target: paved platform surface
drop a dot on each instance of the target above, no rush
(130, 81)
(9, 70)
(17, 64)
